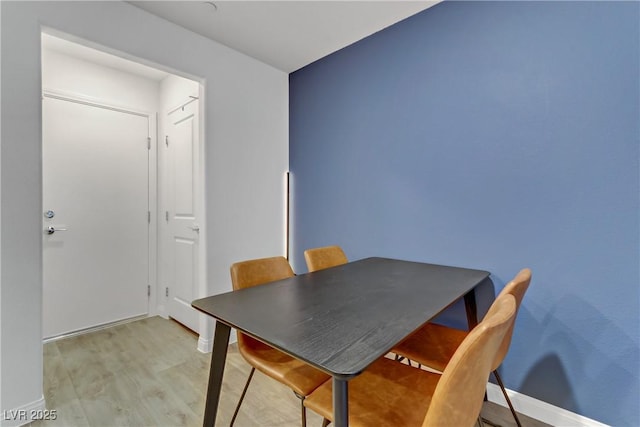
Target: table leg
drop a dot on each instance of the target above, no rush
(471, 309)
(340, 403)
(218, 358)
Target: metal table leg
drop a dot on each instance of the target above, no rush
(218, 358)
(471, 308)
(340, 403)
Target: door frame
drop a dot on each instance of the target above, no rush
(151, 192)
(156, 298)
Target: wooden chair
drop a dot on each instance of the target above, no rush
(389, 393)
(325, 257)
(295, 374)
(434, 345)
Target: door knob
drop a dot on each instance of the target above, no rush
(51, 229)
(195, 227)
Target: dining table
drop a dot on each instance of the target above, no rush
(338, 320)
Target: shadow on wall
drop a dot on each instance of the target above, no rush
(607, 359)
(560, 394)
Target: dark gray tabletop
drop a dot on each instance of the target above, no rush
(343, 318)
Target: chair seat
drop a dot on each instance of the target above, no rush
(295, 374)
(432, 345)
(378, 396)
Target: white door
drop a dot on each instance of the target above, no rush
(95, 185)
(183, 211)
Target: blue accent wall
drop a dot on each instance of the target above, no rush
(494, 135)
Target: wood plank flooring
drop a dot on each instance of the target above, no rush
(149, 373)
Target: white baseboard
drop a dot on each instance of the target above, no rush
(162, 312)
(25, 414)
(540, 410)
(205, 345)
(95, 328)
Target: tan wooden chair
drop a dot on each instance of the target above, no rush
(434, 345)
(295, 374)
(325, 257)
(389, 393)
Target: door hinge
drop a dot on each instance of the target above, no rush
(166, 292)
(148, 290)
(149, 217)
(148, 143)
(166, 216)
(166, 140)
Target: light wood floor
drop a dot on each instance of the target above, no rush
(149, 373)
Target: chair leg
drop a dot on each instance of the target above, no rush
(325, 422)
(504, 392)
(246, 386)
(303, 410)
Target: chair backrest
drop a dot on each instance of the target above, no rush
(516, 287)
(325, 257)
(246, 274)
(457, 399)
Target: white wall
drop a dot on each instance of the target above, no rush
(246, 125)
(175, 90)
(64, 73)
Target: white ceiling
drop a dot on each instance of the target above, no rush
(285, 34)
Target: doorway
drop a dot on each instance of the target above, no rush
(107, 177)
